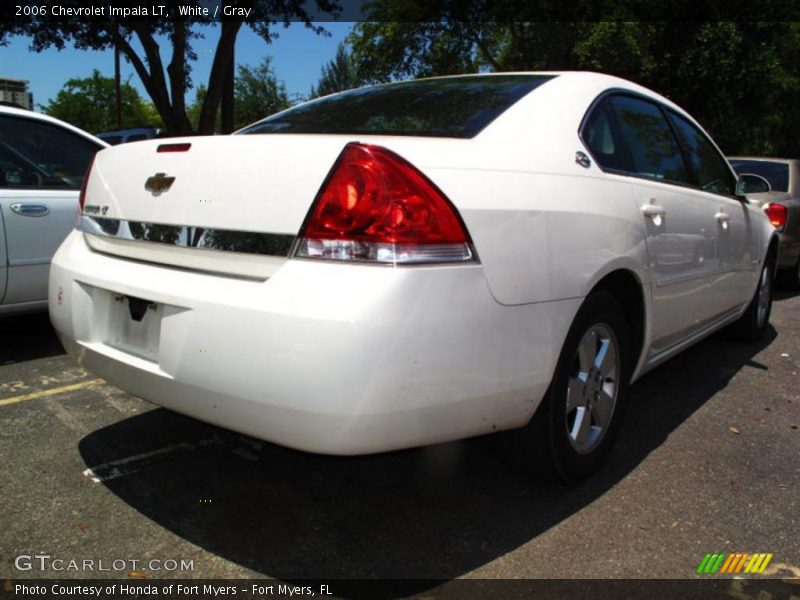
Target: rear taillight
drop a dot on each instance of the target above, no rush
(777, 215)
(173, 147)
(84, 183)
(375, 206)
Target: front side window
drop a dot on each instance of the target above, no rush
(708, 166)
(39, 155)
(654, 152)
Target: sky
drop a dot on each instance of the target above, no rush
(297, 59)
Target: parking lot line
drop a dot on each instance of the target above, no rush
(132, 464)
(50, 392)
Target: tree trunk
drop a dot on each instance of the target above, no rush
(177, 80)
(153, 80)
(228, 106)
(117, 90)
(216, 79)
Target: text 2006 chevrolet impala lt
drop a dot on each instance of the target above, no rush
(415, 262)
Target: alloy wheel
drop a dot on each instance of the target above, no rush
(592, 388)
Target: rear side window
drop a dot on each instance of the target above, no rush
(457, 107)
(39, 155)
(654, 152)
(603, 139)
(775, 172)
(708, 165)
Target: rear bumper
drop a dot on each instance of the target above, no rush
(322, 357)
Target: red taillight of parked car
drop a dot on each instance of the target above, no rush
(84, 183)
(375, 206)
(777, 214)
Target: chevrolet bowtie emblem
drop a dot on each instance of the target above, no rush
(160, 182)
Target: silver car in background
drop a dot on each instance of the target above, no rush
(42, 166)
(775, 185)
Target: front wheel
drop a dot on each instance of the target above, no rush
(574, 428)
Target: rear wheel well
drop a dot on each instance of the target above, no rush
(628, 291)
(772, 254)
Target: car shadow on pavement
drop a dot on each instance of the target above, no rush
(436, 512)
(784, 294)
(27, 337)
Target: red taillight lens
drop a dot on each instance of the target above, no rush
(375, 206)
(173, 147)
(777, 214)
(84, 183)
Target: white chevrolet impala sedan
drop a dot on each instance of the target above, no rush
(414, 263)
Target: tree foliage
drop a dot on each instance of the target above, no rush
(167, 84)
(258, 93)
(338, 75)
(89, 103)
(739, 79)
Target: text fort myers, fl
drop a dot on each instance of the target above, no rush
(214, 591)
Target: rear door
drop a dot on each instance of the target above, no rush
(41, 169)
(736, 238)
(681, 245)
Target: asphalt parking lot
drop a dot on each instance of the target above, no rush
(709, 461)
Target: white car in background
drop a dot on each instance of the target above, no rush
(415, 263)
(42, 165)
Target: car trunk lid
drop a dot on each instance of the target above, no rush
(244, 195)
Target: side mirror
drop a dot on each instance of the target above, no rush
(750, 183)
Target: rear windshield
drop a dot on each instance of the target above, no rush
(775, 172)
(457, 107)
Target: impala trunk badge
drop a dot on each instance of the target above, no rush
(158, 183)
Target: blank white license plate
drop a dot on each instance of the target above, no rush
(135, 331)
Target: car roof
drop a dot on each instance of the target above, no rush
(590, 78)
(765, 159)
(587, 85)
(29, 114)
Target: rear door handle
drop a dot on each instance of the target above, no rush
(722, 217)
(30, 210)
(653, 210)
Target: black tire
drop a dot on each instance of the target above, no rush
(753, 324)
(554, 449)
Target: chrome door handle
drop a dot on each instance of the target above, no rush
(30, 210)
(653, 210)
(722, 217)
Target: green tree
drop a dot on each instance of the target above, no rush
(258, 93)
(167, 84)
(739, 79)
(195, 108)
(89, 103)
(337, 75)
